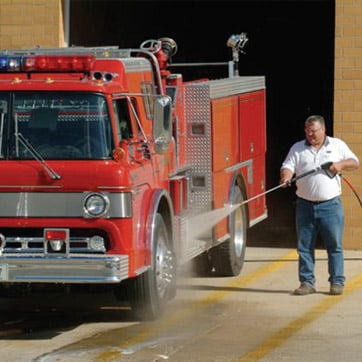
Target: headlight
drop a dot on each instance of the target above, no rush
(96, 242)
(2, 241)
(96, 204)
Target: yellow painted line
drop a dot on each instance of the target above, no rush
(268, 268)
(293, 327)
(115, 353)
(244, 280)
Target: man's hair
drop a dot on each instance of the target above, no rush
(314, 119)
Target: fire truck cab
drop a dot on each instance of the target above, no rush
(115, 171)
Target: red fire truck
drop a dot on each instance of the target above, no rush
(114, 171)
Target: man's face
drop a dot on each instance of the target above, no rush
(315, 133)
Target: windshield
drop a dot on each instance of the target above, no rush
(54, 125)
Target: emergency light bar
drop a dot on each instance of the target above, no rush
(46, 63)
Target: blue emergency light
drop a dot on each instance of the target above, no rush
(10, 64)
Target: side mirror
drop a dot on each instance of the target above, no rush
(162, 123)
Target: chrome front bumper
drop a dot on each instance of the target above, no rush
(70, 269)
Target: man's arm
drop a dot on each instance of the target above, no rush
(285, 176)
(346, 165)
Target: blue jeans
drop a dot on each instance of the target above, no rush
(327, 219)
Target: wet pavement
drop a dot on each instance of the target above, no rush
(252, 317)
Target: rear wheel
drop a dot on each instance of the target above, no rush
(201, 265)
(149, 292)
(228, 257)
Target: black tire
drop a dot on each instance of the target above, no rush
(227, 258)
(149, 292)
(201, 265)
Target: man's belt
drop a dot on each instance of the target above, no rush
(317, 201)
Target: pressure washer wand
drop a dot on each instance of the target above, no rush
(324, 166)
(201, 223)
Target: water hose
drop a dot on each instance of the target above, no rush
(352, 188)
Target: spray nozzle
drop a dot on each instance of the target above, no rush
(325, 166)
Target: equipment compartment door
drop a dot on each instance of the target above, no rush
(225, 143)
(252, 124)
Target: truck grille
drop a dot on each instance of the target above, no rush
(32, 241)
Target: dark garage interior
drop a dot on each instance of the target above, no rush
(290, 42)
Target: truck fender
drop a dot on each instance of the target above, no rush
(150, 291)
(227, 258)
(160, 202)
(238, 180)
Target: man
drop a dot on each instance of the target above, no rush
(318, 206)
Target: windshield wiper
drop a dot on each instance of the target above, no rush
(37, 156)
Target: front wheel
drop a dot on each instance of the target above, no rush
(149, 292)
(228, 257)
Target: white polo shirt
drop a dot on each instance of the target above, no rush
(302, 158)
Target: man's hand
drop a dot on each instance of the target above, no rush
(285, 183)
(285, 177)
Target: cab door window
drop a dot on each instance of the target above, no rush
(124, 110)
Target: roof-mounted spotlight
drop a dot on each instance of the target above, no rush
(237, 42)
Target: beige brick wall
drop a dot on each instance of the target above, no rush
(31, 23)
(348, 107)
